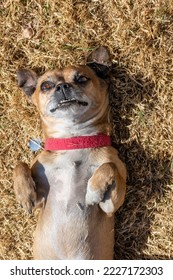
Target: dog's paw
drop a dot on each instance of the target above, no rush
(24, 187)
(93, 195)
(98, 184)
(25, 194)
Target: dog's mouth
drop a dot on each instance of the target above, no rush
(68, 102)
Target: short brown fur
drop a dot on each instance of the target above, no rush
(77, 201)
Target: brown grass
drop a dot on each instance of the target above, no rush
(47, 34)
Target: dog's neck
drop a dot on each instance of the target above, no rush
(63, 128)
(70, 130)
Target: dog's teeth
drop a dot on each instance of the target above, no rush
(66, 101)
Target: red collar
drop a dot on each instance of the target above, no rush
(80, 142)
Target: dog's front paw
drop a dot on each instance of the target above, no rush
(94, 195)
(24, 187)
(98, 184)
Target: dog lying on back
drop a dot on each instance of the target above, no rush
(78, 180)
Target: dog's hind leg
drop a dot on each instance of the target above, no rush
(25, 189)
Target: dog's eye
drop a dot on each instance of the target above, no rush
(81, 79)
(47, 85)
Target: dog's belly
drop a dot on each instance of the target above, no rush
(67, 229)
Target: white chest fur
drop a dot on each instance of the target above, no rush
(68, 176)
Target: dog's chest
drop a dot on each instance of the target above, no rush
(67, 176)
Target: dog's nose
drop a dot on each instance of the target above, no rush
(62, 87)
(63, 91)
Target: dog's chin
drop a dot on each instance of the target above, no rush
(68, 104)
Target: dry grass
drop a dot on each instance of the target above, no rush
(47, 34)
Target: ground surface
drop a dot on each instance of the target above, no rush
(139, 34)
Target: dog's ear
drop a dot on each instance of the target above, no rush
(27, 80)
(100, 62)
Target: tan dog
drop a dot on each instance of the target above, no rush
(77, 190)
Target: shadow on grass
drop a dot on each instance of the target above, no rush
(148, 177)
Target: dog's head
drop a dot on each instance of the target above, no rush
(76, 93)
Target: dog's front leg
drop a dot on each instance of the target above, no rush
(24, 187)
(107, 188)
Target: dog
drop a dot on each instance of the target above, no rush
(78, 181)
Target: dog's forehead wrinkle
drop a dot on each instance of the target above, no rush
(77, 70)
(66, 74)
(52, 76)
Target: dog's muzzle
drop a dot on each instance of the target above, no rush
(65, 97)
